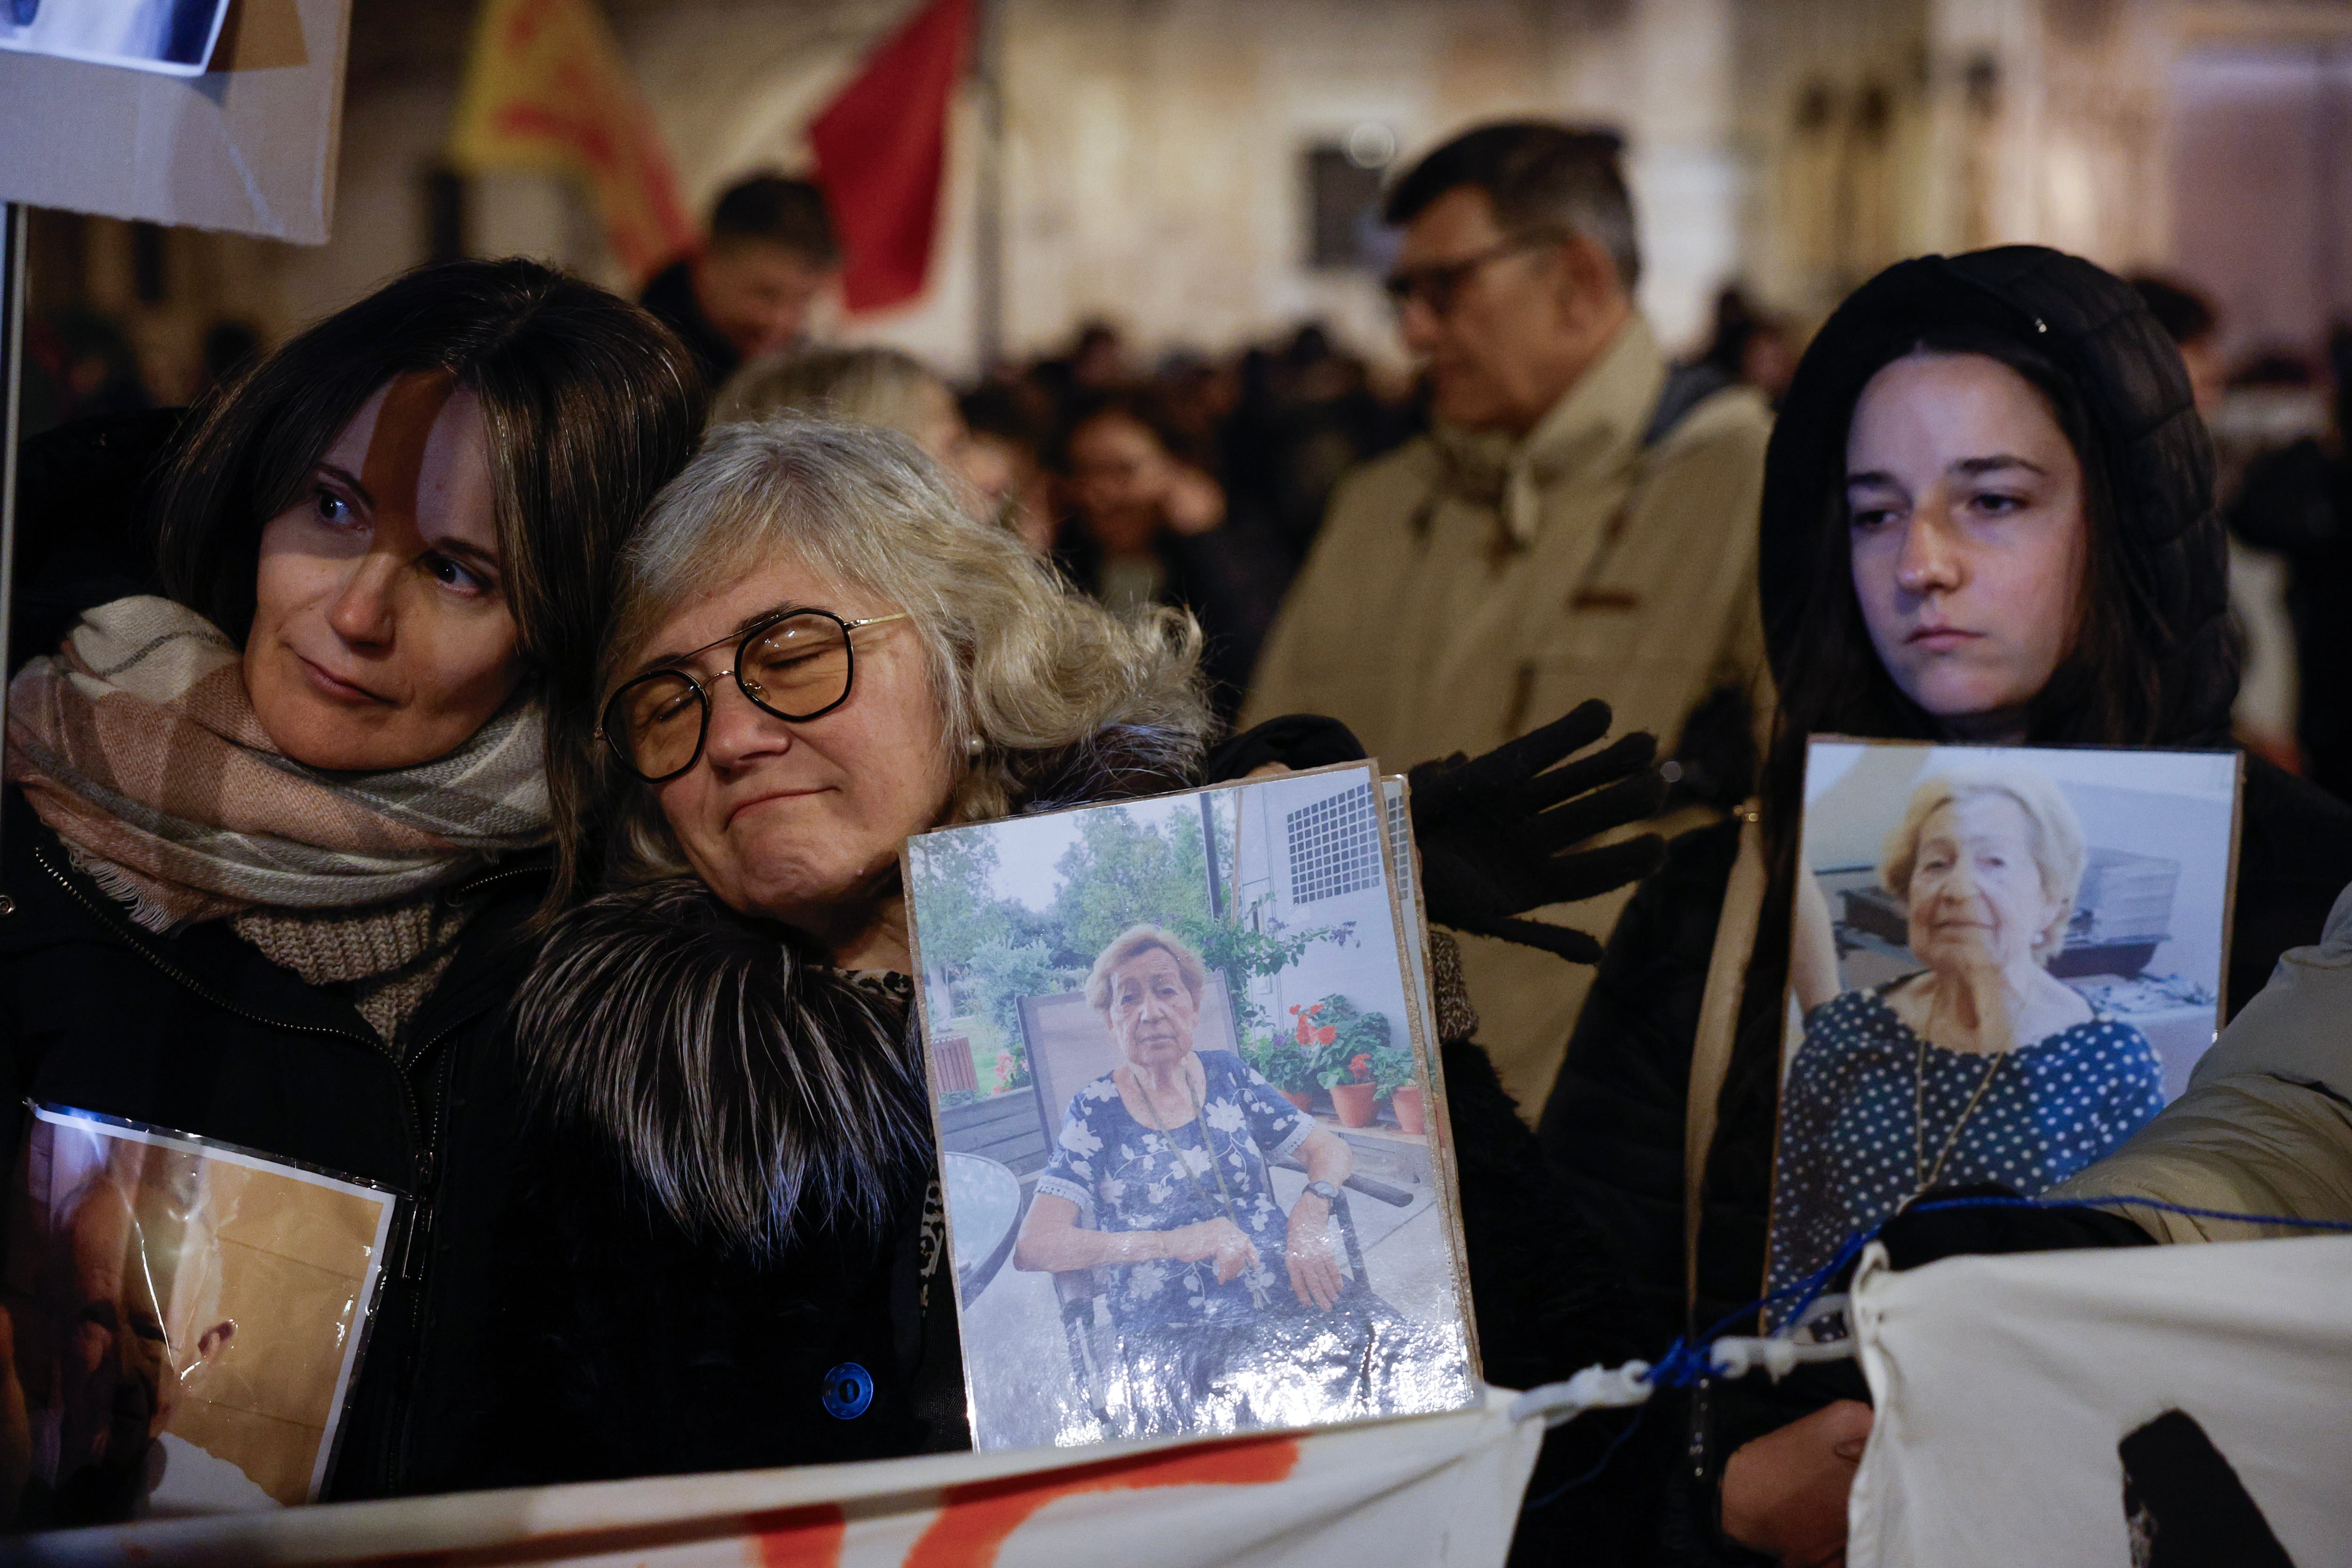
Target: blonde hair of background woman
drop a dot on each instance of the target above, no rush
(873, 386)
(2053, 829)
(1021, 666)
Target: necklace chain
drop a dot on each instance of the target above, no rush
(1924, 1173)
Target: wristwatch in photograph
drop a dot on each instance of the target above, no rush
(1324, 1190)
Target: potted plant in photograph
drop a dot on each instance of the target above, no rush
(1392, 1071)
(1351, 1040)
(1316, 1040)
(1287, 1063)
(1353, 1089)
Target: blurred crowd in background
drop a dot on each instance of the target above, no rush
(1200, 479)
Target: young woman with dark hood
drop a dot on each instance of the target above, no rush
(279, 810)
(1988, 517)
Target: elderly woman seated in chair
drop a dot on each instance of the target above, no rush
(1227, 1310)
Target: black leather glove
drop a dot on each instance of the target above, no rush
(1499, 835)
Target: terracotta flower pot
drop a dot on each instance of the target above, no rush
(1304, 1101)
(1406, 1103)
(1353, 1102)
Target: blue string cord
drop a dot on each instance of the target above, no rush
(1687, 1361)
(1599, 1465)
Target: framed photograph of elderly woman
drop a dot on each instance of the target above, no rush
(2004, 961)
(1184, 1097)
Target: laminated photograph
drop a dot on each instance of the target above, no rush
(2004, 961)
(1189, 1123)
(187, 1320)
(175, 37)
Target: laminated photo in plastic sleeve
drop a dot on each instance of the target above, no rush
(1185, 1078)
(2003, 961)
(186, 1319)
(175, 37)
(1412, 923)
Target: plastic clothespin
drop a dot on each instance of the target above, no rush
(1782, 1352)
(1594, 1388)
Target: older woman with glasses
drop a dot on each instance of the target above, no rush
(727, 1250)
(724, 1255)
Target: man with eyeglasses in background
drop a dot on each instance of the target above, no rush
(1579, 523)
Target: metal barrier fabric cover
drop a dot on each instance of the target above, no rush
(2186, 1403)
(1435, 1490)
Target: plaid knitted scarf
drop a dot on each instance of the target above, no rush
(137, 744)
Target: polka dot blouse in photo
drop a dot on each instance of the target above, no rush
(1850, 1143)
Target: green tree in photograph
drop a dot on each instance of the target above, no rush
(961, 910)
(1003, 972)
(1121, 872)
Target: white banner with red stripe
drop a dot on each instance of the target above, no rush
(1424, 1490)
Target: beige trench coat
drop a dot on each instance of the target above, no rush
(1466, 590)
(2266, 1124)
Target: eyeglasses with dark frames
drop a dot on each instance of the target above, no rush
(796, 664)
(1439, 283)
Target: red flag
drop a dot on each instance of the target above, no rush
(881, 151)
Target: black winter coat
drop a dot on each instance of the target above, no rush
(196, 1031)
(618, 1344)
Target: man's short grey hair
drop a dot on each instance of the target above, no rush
(872, 385)
(1543, 178)
(1024, 670)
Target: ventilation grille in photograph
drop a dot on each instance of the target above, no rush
(1400, 846)
(1334, 846)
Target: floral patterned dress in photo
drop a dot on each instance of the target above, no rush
(1198, 1356)
(1125, 1176)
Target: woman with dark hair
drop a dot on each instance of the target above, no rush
(278, 804)
(1988, 517)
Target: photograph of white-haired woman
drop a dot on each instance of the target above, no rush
(1232, 1313)
(1980, 1068)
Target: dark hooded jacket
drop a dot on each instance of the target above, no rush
(1613, 1125)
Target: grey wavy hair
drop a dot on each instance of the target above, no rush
(1037, 686)
(871, 385)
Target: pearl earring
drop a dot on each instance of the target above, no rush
(975, 747)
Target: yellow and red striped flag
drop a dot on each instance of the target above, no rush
(547, 88)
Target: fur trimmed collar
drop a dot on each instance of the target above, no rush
(755, 1093)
